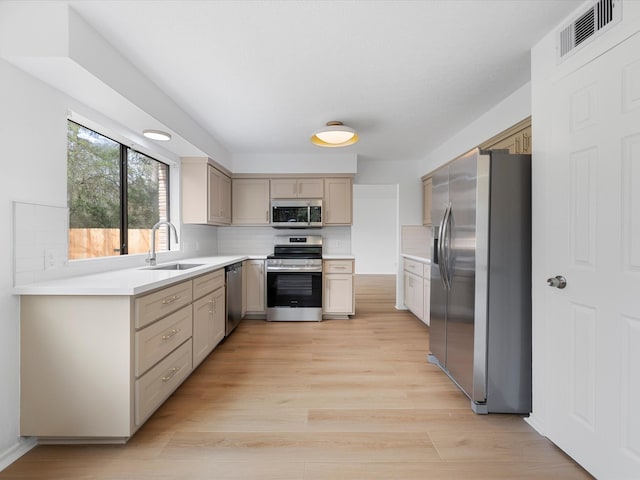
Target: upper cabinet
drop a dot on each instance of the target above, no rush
(206, 193)
(516, 139)
(426, 201)
(250, 205)
(297, 188)
(338, 205)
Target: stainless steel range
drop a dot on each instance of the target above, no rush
(294, 279)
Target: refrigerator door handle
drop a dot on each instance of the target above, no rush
(447, 252)
(445, 245)
(440, 252)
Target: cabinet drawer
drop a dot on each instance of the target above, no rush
(338, 266)
(413, 266)
(158, 340)
(154, 306)
(208, 283)
(160, 382)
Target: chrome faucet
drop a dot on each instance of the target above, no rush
(152, 254)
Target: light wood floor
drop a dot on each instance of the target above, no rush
(340, 399)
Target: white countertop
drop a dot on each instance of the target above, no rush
(417, 259)
(130, 281)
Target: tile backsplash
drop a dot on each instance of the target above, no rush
(260, 240)
(416, 240)
(39, 241)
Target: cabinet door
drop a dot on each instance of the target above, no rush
(414, 294)
(253, 271)
(250, 203)
(225, 200)
(284, 188)
(203, 315)
(213, 198)
(297, 188)
(219, 317)
(337, 208)
(218, 197)
(310, 188)
(426, 201)
(338, 294)
(426, 310)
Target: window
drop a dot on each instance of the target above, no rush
(115, 195)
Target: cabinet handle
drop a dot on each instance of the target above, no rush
(339, 267)
(169, 300)
(173, 371)
(518, 150)
(171, 334)
(526, 142)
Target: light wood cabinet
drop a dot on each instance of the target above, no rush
(413, 294)
(208, 314)
(250, 201)
(219, 198)
(426, 297)
(139, 349)
(297, 188)
(417, 288)
(338, 295)
(427, 187)
(338, 204)
(516, 139)
(154, 387)
(253, 274)
(161, 338)
(206, 193)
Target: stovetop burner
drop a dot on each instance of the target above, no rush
(297, 247)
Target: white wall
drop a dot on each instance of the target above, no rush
(510, 111)
(325, 161)
(33, 132)
(260, 240)
(374, 234)
(33, 136)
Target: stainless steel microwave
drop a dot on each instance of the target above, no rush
(296, 213)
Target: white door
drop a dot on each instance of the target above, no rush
(592, 238)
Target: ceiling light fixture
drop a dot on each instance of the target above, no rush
(157, 135)
(335, 134)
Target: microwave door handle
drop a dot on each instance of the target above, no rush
(308, 213)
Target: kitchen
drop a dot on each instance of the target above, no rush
(34, 168)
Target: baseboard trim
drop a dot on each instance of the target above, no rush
(533, 421)
(15, 452)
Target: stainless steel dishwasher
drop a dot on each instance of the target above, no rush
(234, 296)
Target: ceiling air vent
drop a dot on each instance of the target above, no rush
(588, 25)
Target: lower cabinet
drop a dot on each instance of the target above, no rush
(95, 368)
(417, 288)
(414, 294)
(253, 277)
(208, 316)
(155, 386)
(338, 292)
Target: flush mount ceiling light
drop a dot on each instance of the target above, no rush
(335, 134)
(157, 135)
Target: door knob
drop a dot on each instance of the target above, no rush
(557, 281)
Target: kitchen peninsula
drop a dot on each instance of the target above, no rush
(100, 353)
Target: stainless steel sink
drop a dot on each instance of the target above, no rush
(175, 266)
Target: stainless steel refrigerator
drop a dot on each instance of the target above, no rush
(480, 332)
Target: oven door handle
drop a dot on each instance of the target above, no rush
(294, 269)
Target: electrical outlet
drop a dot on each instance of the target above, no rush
(49, 258)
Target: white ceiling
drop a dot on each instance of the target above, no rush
(261, 76)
